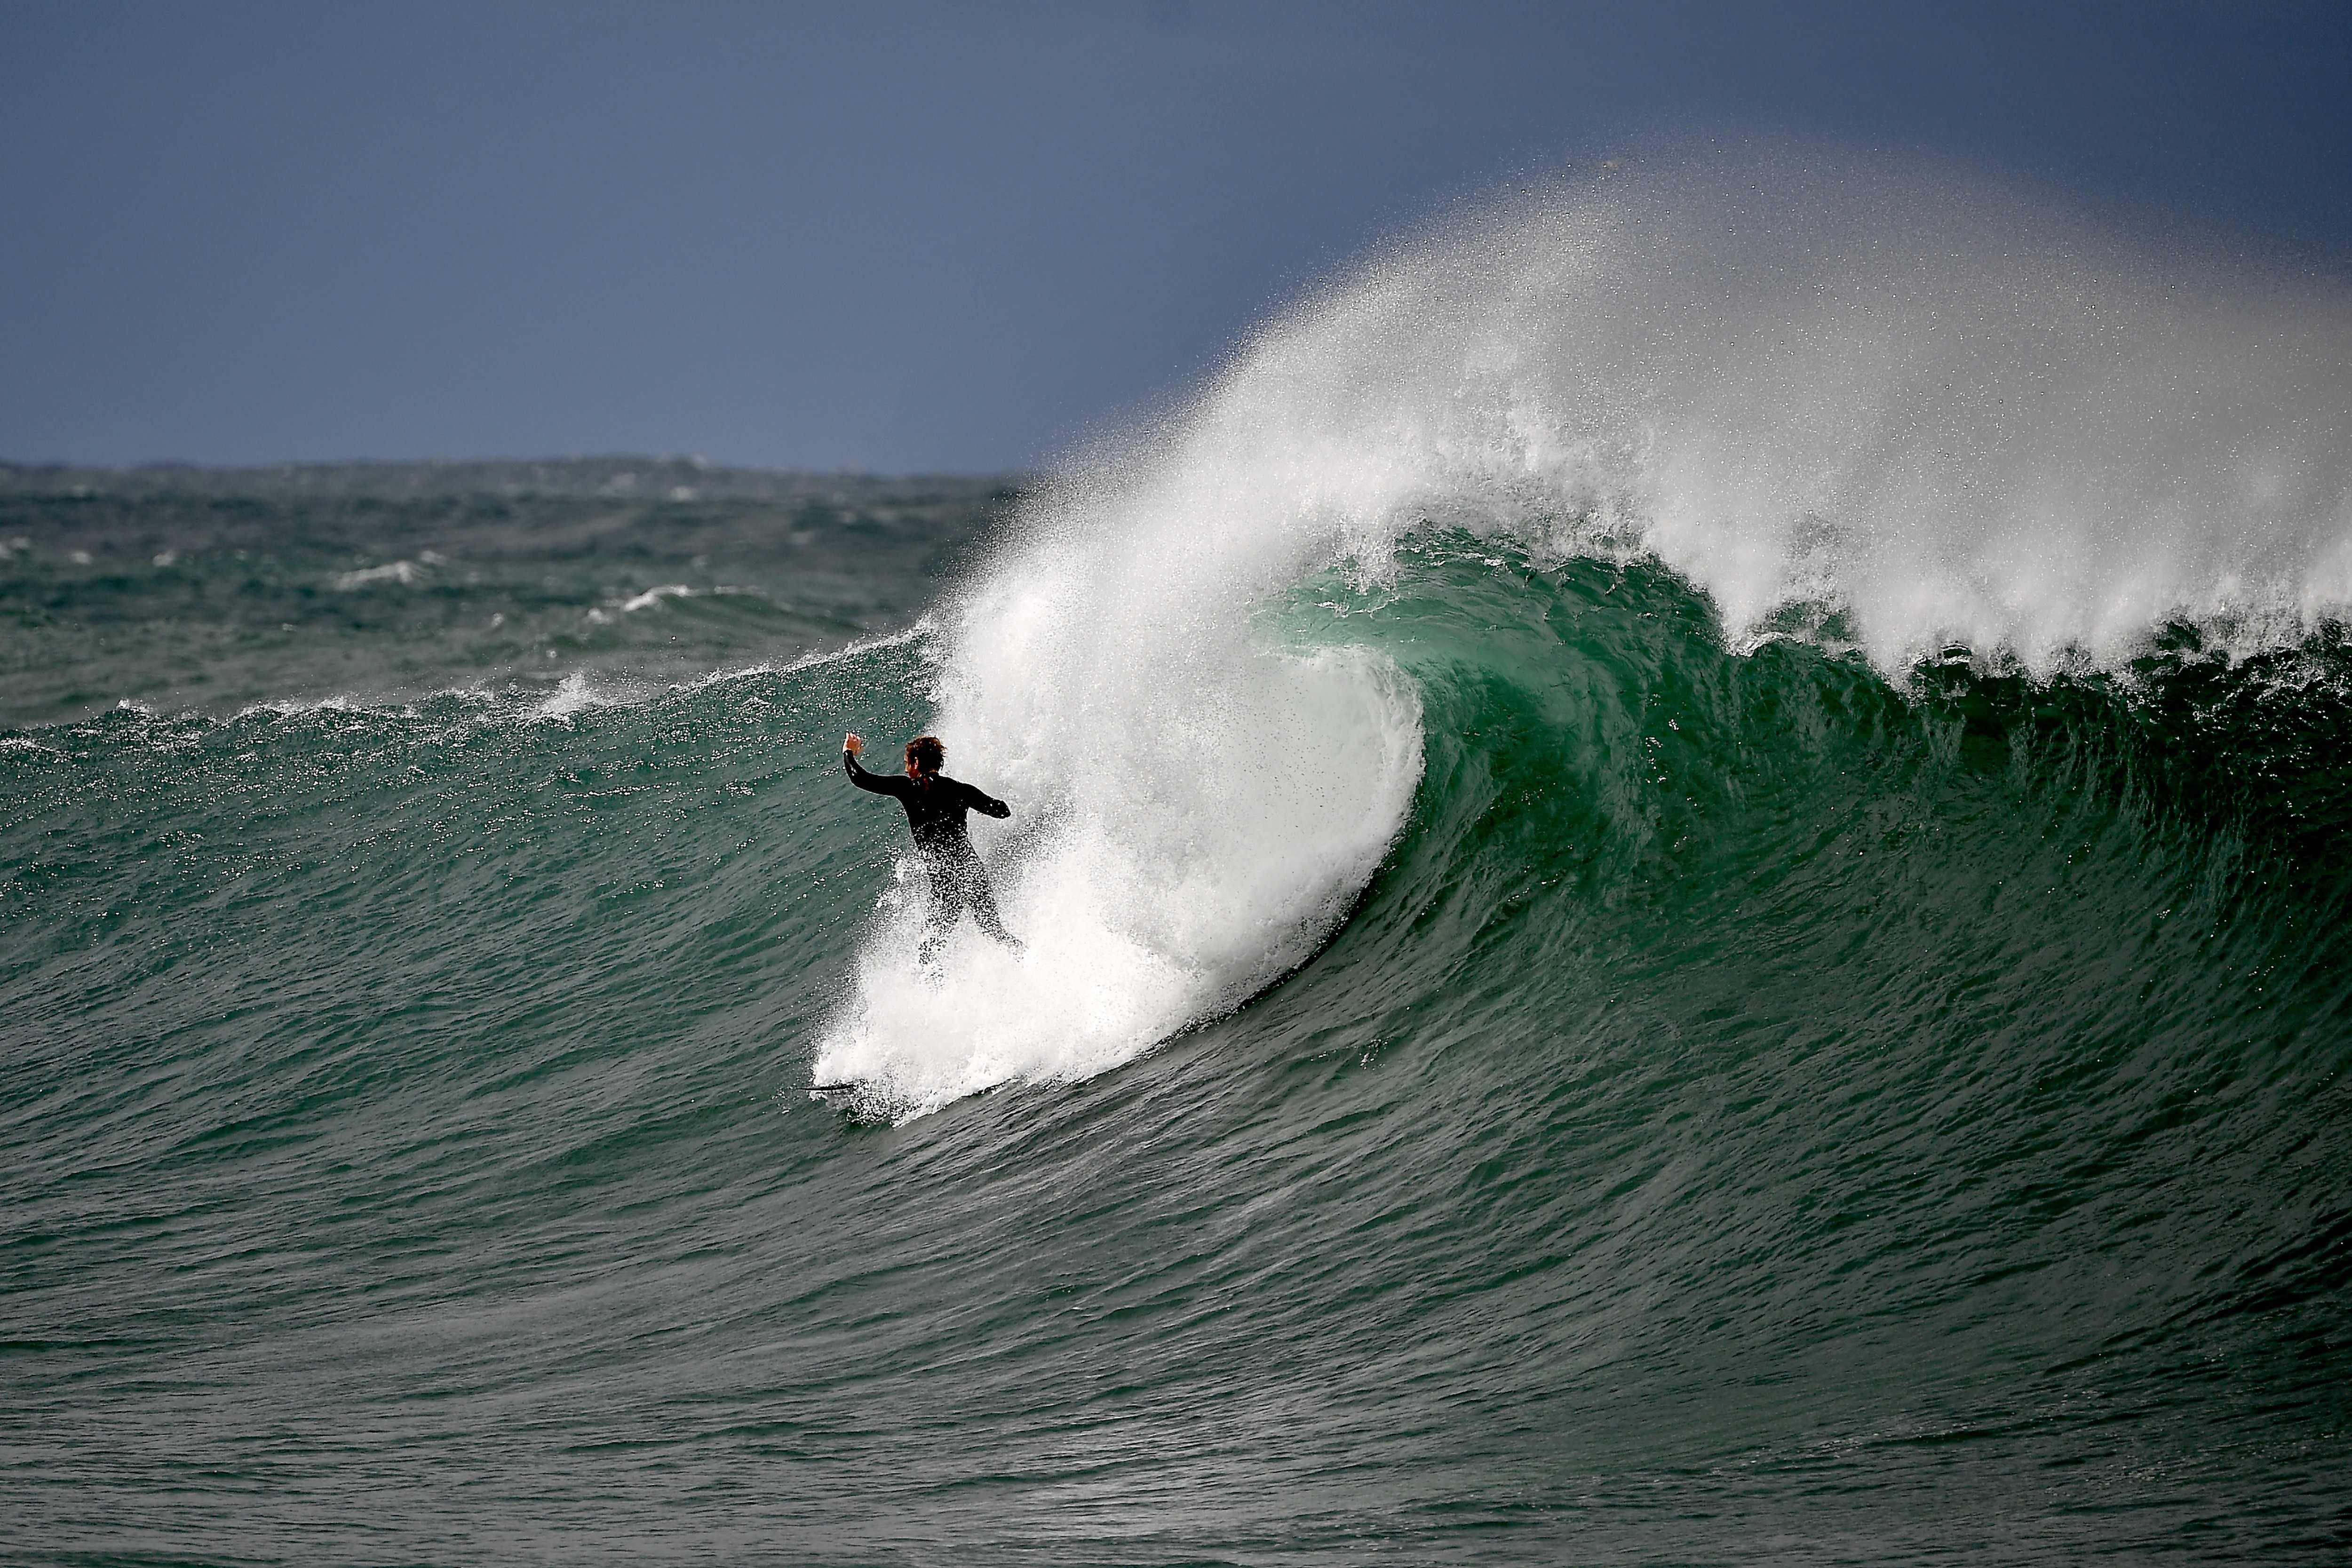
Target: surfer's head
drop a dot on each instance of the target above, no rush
(924, 756)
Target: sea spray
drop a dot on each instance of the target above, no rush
(1174, 868)
(1874, 402)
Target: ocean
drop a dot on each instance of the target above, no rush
(1683, 854)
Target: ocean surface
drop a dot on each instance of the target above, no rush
(1683, 854)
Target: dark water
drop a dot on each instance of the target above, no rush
(1754, 1113)
(174, 588)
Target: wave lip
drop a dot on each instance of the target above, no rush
(1944, 411)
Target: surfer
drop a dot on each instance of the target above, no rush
(935, 810)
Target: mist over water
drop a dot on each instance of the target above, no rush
(1953, 412)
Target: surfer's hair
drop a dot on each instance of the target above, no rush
(925, 754)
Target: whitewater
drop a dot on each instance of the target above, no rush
(1683, 853)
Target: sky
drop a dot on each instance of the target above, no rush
(904, 237)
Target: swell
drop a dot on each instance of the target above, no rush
(1747, 1088)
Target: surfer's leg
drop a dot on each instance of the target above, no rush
(947, 903)
(984, 909)
(936, 937)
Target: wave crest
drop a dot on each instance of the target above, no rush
(1824, 390)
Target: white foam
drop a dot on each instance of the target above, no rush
(926, 627)
(576, 693)
(653, 596)
(1199, 808)
(401, 572)
(291, 707)
(1180, 868)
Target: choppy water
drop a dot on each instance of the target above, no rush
(1567, 1017)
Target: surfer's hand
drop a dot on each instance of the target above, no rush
(852, 744)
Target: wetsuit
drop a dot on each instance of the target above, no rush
(935, 812)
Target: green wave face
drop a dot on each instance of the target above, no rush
(1966, 1060)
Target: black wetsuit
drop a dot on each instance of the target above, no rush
(935, 813)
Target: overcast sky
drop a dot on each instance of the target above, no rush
(959, 237)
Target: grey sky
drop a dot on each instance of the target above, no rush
(900, 236)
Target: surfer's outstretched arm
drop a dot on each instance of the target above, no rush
(850, 746)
